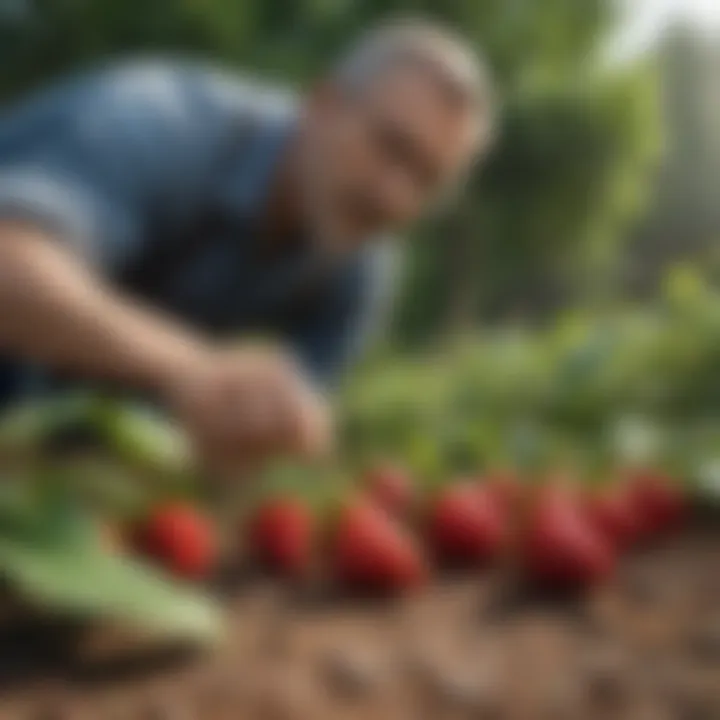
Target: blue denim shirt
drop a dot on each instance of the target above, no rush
(119, 160)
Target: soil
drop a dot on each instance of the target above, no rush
(484, 647)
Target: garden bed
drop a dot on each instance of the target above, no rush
(646, 647)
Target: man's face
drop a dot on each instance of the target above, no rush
(376, 159)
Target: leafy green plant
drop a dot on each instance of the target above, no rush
(52, 554)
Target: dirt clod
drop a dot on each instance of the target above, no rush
(697, 706)
(53, 711)
(704, 642)
(562, 700)
(351, 676)
(606, 679)
(165, 709)
(642, 587)
(461, 691)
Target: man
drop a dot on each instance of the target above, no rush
(150, 212)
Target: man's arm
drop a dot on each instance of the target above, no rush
(79, 172)
(237, 405)
(58, 312)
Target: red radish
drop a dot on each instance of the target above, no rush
(391, 487)
(281, 535)
(371, 552)
(658, 500)
(506, 487)
(466, 525)
(181, 538)
(613, 514)
(560, 548)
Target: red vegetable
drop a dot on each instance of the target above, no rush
(391, 487)
(281, 535)
(180, 538)
(659, 502)
(466, 525)
(369, 551)
(506, 487)
(560, 547)
(613, 514)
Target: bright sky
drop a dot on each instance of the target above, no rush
(646, 19)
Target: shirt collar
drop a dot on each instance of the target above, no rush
(258, 157)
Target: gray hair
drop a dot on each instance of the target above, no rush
(446, 55)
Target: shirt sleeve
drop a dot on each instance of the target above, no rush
(351, 317)
(91, 159)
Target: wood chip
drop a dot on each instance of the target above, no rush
(351, 676)
(704, 643)
(607, 679)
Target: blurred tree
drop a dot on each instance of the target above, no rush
(684, 218)
(546, 219)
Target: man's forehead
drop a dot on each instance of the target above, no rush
(409, 94)
(419, 78)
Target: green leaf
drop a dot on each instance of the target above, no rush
(90, 581)
(145, 440)
(108, 487)
(18, 509)
(28, 426)
(52, 553)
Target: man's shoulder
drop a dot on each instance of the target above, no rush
(208, 86)
(181, 89)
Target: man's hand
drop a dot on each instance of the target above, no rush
(243, 405)
(238, 405)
